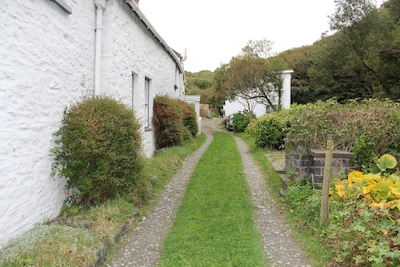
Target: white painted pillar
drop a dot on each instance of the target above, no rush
(287, 80)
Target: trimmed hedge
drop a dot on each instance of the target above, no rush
(99, 150)
(368, 128)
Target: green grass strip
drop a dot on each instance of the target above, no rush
(215, 223)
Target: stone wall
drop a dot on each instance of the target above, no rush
(297, 160)
(304, 162)
(340, 164)
(47, 63)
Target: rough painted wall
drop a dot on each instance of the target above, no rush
(47, 63)
(43, 53)
(232, 107)
(130, 47)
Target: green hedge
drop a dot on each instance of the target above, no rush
(269, 132)
(368, 128)
(241, 120)
(98, 151)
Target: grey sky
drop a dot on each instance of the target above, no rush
(213, 31)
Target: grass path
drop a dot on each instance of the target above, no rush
(215, 223)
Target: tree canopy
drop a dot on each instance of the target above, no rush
(250, 78)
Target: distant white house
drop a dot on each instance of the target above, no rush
(232, 107)
(53, 53)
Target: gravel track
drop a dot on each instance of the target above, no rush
(142, 246)
(279, 244)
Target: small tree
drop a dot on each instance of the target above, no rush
(251, 77)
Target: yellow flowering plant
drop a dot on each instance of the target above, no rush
(364, 223)
(381, 190)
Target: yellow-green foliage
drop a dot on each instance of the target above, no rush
(365, 217)
(377, 189)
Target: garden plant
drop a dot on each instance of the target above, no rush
(174, 121)
(98, 151)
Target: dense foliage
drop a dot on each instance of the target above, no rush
(268, 131)
(99, 150)
(365, 217)
(203, 83)
(240, 121)
(359, 60)
(367, 128)
(174, 121)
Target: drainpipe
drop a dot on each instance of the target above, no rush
(100, 6)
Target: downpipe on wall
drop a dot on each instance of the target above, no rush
(100, 6)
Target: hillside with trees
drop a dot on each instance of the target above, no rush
(360, 60)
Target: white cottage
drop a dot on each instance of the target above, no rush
(52, 54)
(232, 107)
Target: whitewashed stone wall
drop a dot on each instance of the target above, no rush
(47, 63)
(130, 47)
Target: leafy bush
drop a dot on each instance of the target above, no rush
(304, 200)
(364, 152)
(174, 121)
(269, 132)
(99, 150)
(365, 217)
(240, 121)
(251, 127)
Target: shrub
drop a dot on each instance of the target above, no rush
(269, 132)
(365, 216)
(240, 121)
(251, 127)
(99, 150)
(304, 200)
(174, 121)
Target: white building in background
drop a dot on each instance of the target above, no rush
(232, 107)
(53, 53)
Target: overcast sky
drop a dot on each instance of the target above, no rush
(213, 31)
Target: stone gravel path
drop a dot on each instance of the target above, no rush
(279, 244)
(143, 245)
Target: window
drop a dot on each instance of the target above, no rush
(147, 83)
(176, 77)
(134, 88)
